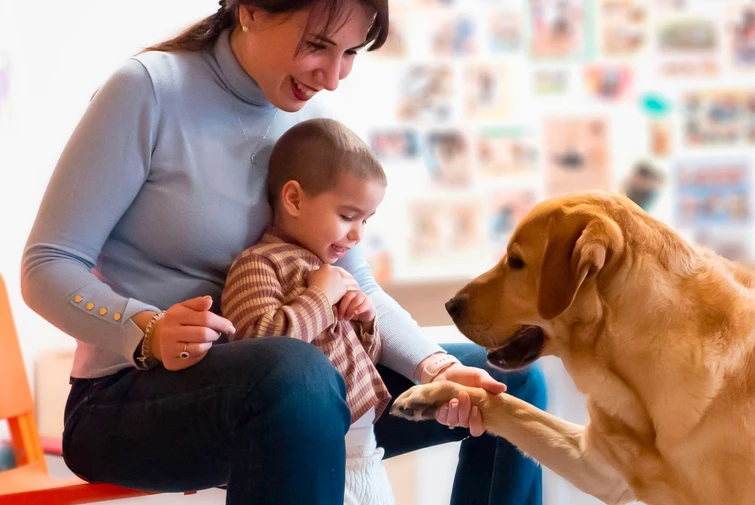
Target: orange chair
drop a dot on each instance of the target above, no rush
(29, 482)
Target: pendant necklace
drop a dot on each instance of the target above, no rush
(249, 142)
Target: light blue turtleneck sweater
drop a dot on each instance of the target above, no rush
(153, 198)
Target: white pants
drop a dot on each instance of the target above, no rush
(366, 478)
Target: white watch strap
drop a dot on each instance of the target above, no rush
(432, 369)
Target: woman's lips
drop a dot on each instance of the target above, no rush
(302, 91)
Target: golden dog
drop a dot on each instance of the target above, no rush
(659, 335)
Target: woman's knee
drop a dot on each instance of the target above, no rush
(286, 373)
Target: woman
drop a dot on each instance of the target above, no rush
(159, 188)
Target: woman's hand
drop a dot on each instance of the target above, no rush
(187, 326)
(460, 412)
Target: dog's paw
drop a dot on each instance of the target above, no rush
(421, 403)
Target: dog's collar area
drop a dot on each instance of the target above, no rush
(522, 349)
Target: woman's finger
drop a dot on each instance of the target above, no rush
(453, 413)
(465, 408)
(187, 317)
(174, 362)
(201, 303)
(442, 415)
(475, 423)
(192, 348)
(179, 334)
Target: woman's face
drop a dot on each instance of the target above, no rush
(290, 74)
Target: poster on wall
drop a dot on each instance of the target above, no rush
(507, 208)
(550, 82)
(577, 154)
(688, 46)
(714, 192)
(486, 92)
(623, 30)
(444, 229)
(505, 30)
(506, 152)
(719, 117)
(448, 157)
(426, 93)
(740, 27)
(558, 29)
(395, 144)
(608, 81)
(453, 34)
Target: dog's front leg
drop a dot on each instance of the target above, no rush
(562, 446)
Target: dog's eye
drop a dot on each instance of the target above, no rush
(515, 263)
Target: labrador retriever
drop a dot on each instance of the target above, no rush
(659, 335)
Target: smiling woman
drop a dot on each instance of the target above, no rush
(306, 48)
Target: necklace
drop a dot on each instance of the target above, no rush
(249, 142)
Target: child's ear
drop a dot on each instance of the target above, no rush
(291, 196)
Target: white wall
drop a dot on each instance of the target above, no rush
(60, 52)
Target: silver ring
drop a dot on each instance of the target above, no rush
(185, 353)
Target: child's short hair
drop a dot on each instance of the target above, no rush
(315, 153)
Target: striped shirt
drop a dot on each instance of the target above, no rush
(266, 294)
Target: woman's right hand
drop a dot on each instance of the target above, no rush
(188, 324)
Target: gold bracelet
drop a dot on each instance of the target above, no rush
(148, 359)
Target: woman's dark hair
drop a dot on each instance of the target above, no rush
(203, 34)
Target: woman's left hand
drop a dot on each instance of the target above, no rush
(460, 412)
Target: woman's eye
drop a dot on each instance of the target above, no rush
(347, 218)
(515, 263)
(316, 46)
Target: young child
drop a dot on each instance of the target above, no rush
(323, 184)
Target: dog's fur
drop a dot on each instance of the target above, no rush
(659, 336)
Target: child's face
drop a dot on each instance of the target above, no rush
(333, 222)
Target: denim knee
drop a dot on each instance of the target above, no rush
(297, 378)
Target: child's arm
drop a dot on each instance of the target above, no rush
(253, 301)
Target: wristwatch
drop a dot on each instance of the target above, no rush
(435, 367)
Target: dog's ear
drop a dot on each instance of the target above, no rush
(578, 245)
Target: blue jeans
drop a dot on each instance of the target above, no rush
(267, 417)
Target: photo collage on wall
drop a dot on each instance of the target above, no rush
(482, 108)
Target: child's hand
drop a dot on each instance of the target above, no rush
(330, 282)
(356, 305)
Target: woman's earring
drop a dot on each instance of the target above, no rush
(244, 28)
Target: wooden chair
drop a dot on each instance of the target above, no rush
(29, 482)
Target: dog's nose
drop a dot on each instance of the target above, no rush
(454, 307)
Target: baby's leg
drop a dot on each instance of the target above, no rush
(367, 480)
